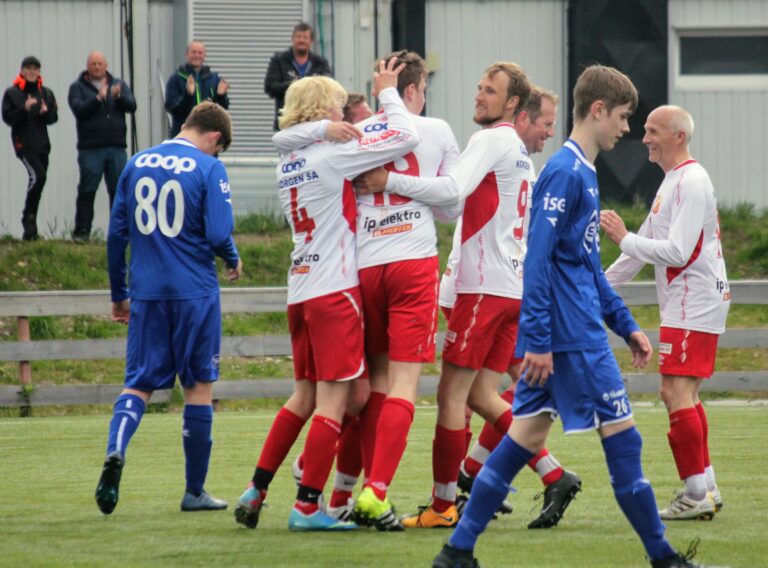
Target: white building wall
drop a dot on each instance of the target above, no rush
(464, 38)
(731, 133)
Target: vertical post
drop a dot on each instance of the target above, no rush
(25, 367)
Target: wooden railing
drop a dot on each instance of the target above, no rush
(23, 305)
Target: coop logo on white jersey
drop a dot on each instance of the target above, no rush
(289, 167)
(174, 163)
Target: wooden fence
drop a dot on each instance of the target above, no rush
(23, 305)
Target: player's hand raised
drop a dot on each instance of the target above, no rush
(372, 181)
(387, 75)
(537, 367)
(613, 225)
(641, 349)
(342, 132)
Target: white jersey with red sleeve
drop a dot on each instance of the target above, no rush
(390, 227)
(319, 202)
(494, 175)
(681, 237)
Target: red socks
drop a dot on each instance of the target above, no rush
(391, 438)
(319, 451)
(686, 438)
(548, 468)
(447, 453)
(489, 438)
(705, 432)
(282, 435)
(369, 418)
(349, 462)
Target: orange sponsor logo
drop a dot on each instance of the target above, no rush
(656, 205)
(300, 270)
(392, 230)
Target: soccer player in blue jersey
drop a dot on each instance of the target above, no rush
(569, 368)
(173, 208)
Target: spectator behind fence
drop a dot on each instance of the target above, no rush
(28, 108)
(294, 63)
(191, 84)
(99, 101)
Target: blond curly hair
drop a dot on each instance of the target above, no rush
(311, 98)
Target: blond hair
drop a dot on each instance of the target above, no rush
(517, 84)
(311, 98)
(533, 106)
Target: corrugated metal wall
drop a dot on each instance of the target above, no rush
(731, 134)
(463, 38)
(241, 36)
(60, 34)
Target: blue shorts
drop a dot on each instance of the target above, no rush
(586, 390)
(170, 337)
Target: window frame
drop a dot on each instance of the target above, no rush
(713, 82)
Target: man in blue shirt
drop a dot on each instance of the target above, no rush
(173, 208)
(569, 368)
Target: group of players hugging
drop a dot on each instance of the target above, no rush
(524, 293)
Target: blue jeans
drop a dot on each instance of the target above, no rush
(95, 163)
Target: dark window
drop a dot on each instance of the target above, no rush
(724, 55)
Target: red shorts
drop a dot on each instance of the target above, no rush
(685, 353)
(327, 337)
(482, 332)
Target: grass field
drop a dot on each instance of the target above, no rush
(48, 517)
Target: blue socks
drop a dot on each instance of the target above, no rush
(126, 415)
(488, 491)
(634, 493)
(197, 445)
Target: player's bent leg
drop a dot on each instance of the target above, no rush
(126, 417)
(198, 420)
(378, 369)
(283, 433)
(526, 437)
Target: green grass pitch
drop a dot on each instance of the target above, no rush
(48, 516)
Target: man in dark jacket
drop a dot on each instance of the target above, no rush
(287, 66)
(99, 102)
(28, 108)
(191, 84)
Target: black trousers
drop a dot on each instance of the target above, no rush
(37, 169)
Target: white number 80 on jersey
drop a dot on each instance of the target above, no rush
(147, 218)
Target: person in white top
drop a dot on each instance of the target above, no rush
(493, 176)
(324, 304)
(681, 238)
(397, 257)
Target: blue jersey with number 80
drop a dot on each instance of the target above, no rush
(173, 207)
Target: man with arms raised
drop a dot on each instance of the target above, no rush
(681, 237)
(324, 303)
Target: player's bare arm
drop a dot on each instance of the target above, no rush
(613, 225)
(537, 367)
(121, 311)
(372, 181)
(641, 349)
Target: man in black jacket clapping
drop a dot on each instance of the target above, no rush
(28, 108)
(287, 66)
(99, 102)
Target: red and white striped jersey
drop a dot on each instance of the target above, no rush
(392, 228)
(493, 175)
(681, 237)
(319, 202)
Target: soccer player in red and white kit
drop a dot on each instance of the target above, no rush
(493, 176)
(397, 257)
(324, 304)
(535, 124)
(681, 237)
